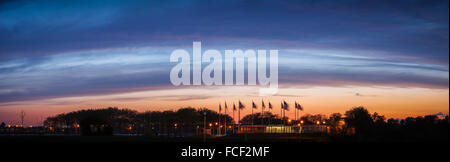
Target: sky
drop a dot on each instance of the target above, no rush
(59, 56)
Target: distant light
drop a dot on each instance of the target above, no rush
(289, 120)
(318, 122)
(210, 124)
(216, 123)
(323, 122)
(301, 121)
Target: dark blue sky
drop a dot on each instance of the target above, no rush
(59, 48)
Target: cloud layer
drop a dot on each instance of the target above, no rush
(50, 49)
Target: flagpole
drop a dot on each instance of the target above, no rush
(295, 112)
(234, 119)
(252, 112)
(226, 107)
(284, 118)
(239, 116)
(282, 121)
(298, 120)
(270, 118)
(262, 113)
(219, 130)
(281, 114)
(270, 110)
(234, 109)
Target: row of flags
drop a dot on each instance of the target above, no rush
(284, 105)
(240, 105)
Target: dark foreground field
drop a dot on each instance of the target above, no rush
(281, 146)
(144, 139)
(258, 138)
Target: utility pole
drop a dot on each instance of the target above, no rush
(22, 117)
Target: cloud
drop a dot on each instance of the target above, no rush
(122, 70)
(361, 95)
(413, 29)
(50, 49)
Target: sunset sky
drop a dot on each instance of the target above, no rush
(390, 56)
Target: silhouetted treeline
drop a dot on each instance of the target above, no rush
(113, 120)
(375, 127)
(356, 124)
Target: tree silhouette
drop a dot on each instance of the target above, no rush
(360, 119)
(311, 119)
(336, 124)
(259, 118)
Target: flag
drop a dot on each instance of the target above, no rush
(286, 105)
(234, 107)
(282, 106)
(262, 104)
(241, 106)
(220, 108)
(226, 107)
(300, 107)
(254, 105)
(270, 105)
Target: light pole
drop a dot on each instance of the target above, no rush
(204, 126)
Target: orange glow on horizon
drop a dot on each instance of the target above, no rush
(388, 101)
